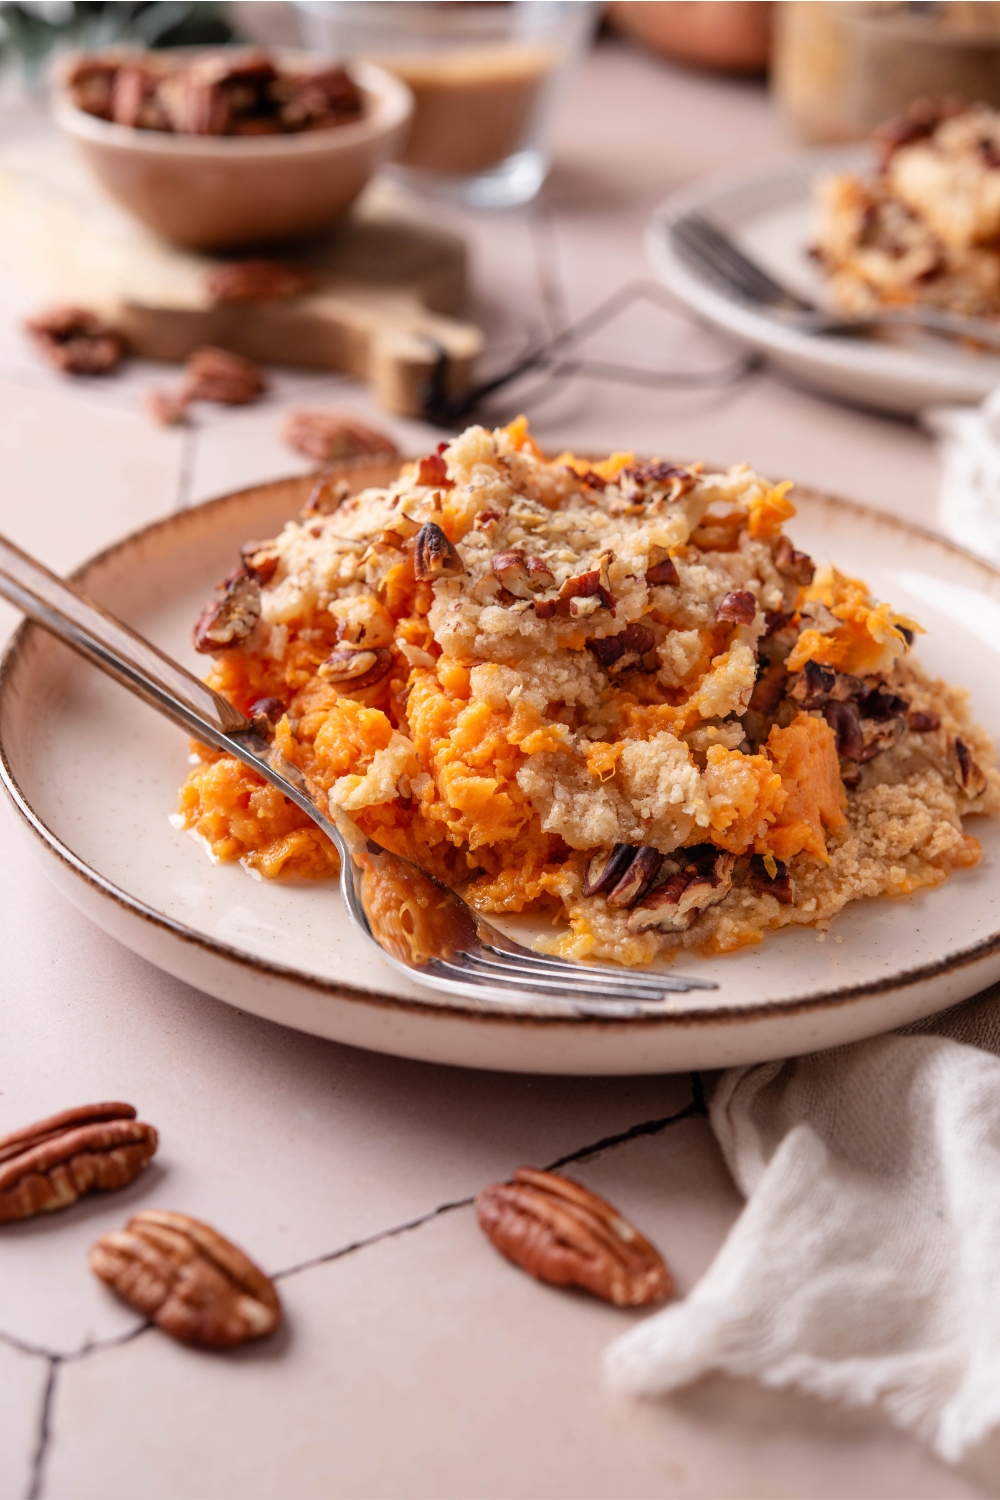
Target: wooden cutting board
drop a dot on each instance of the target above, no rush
(386, 286)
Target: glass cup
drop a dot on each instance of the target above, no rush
(483, 76)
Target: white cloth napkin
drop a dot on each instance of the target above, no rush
(866, 1263)
(968, 440)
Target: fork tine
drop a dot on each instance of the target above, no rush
(542, 984)
(578, 975)
(566, 967)
(709, 247)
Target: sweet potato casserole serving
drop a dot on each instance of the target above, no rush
(613, 693)
(926, 228)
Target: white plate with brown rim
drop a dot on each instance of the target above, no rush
(94, 774)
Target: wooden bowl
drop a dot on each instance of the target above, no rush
(218, 192)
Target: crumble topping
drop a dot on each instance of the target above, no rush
(612, 691)
(926, 228)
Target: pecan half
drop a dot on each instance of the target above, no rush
(777, 885)
(642, 870)
(740, 606)
(258, 281)
(812, 686)
(433, 555)
(217, 375)
(94, 1148)
(968, 773)
(705, 879)
(357, 669)
(329, 435)
(194, 1284)
(923, 721)
(76, 341)
(798, 567)
(227, 621)
(559, 1232)
(618, 653)
(608, 867)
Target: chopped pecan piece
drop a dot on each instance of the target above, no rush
(559, 1232)
(608, 867)
(760, 879)
(593, 584)
(227, 621)
(923, 721)
(812, 686)
(881, 704)
(798, 567)
(76, 341)
(661, 567)
(920, 120)
(642, 870)
(740, 606)
(618, 653)
(845, 721)
(195, 1285)
(94, 1148)
(485, 519)
(357, 669)
(705, 879)
(879, 735)
(263, 714)
(968, 773)
(661, 475)
(329, 435)
(546, 608)
(327, 495)
(510, 568)
(260, 559)
(433, 555)
(258, 281)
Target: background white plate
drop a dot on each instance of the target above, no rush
(768, 211)
(94, 774)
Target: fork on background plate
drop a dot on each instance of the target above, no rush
(708, 249)
(419, 926)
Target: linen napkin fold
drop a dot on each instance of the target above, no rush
(866, 1263)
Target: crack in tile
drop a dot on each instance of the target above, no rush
(584, 1153)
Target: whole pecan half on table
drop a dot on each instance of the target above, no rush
(94, 1148)
(76, 341)
(329, 435)
(192, 1283)
(560, 1232)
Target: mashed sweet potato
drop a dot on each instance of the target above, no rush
(614, 692)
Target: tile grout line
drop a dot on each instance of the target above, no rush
(643, 1128)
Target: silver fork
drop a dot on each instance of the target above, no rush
(710, 250)
(418, 925)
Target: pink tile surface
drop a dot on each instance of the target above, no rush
(420, 1363)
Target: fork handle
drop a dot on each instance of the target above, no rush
(112, 646)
